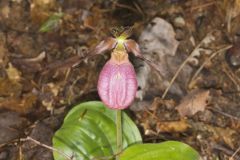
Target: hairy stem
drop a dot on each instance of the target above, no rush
(119, 131)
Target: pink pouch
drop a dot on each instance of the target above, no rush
(117, 84)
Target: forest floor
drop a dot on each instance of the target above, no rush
(195, 44)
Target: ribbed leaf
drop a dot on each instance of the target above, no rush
(169, 150)
(89, 131)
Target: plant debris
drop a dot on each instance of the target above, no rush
(194, 102)
(195, 99)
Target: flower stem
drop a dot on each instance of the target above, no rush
(119, 131)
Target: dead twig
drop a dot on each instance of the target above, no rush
(231, 76)
(225, 114)
(46, 146)
(138, 7)
(234, 154)
(201, 6)
(225, 150)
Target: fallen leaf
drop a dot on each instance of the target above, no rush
(173, 126)
(21, 105)
(10, 88)
(194, 102)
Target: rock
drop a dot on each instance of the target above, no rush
(158, 44)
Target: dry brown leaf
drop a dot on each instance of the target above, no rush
(22, 105)
(173, 126)
(194, 102)
(10, 88)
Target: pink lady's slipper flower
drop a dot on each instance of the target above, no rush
(117, 83)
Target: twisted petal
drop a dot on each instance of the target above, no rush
(117, 84)
(105, 45)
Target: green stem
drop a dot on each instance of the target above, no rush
(119, 131)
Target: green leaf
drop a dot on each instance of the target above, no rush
(89, 131)
(169, 150)
(52, 22)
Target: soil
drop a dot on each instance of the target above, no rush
(42, 76)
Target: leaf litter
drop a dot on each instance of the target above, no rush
(205, 115)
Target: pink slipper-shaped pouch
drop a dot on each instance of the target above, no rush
(117, 84)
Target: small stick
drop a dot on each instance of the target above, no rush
(202, 6)
(223, 149)
(183, 64)
(48, 147)
(137, 5)
(231, 76)
(225, 114)
(235, 153)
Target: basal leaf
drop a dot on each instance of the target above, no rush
(89, 131)
(169, 150)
